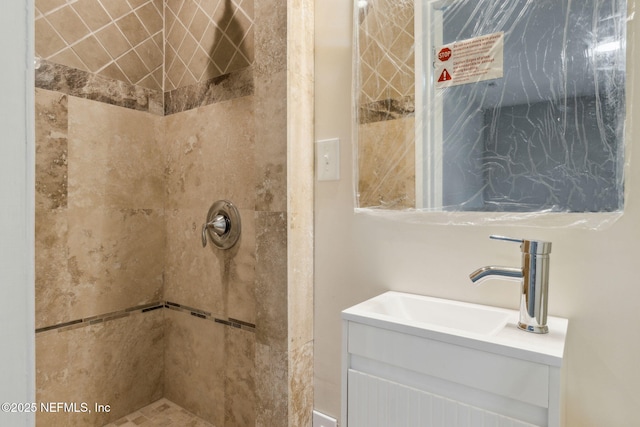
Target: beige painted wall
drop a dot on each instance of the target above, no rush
(593, 279)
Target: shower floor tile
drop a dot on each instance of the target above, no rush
(162, 413)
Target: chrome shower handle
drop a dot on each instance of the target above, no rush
(219, 224)
(222, 225)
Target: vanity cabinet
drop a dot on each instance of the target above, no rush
(397, 375)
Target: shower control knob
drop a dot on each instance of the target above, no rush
(222, 226)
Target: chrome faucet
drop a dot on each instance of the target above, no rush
(533, 278)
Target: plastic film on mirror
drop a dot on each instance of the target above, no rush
(491, 112)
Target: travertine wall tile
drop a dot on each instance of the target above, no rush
(271, 279)
(117, 39)
(195, 365)
(117, 8)
(99, 36)
(92, 13)
(271, 143)
(270, 37)
(104, 250)
(210, 369)
(221, 282)
(106, 146)
(240, 271)
(82, 84)
(193, 274)
(96, 261)
(301, 385)
(115, 259)
(219, 89)
(48, 42)
(54, 299)
(300, 172)
(118, 362)
(207, 39)
(51, 150)
(300, 219)
(44, 6)
(271, 386)
(68, 24)
(211, 155)
(240, 385)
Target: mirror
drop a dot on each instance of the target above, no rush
(490, 105)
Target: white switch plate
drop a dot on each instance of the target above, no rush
(328, 159)
(322, 420)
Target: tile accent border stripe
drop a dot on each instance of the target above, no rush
(145, 308)
(239, 324)
(228, 86)
(82, 84)
(92, 320)
(387, 109)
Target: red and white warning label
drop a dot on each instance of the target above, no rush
(469, 61)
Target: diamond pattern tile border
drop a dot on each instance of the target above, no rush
(157, 44)
(119, 39)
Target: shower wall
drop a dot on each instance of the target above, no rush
(129, 306)
(100, 246)
(211, 157)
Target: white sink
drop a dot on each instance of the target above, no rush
(473, 325)
(435, 313)
(442, 359)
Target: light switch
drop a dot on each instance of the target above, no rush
(328, 159)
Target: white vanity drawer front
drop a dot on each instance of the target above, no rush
(504, 376)
(376, 402)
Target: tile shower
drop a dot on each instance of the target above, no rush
(146, 113)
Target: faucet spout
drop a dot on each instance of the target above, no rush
(534, 282)
(508, 273)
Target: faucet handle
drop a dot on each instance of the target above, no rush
(538, 247)
(506, 239)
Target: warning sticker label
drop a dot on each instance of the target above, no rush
(469, 61)
(444, 76)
